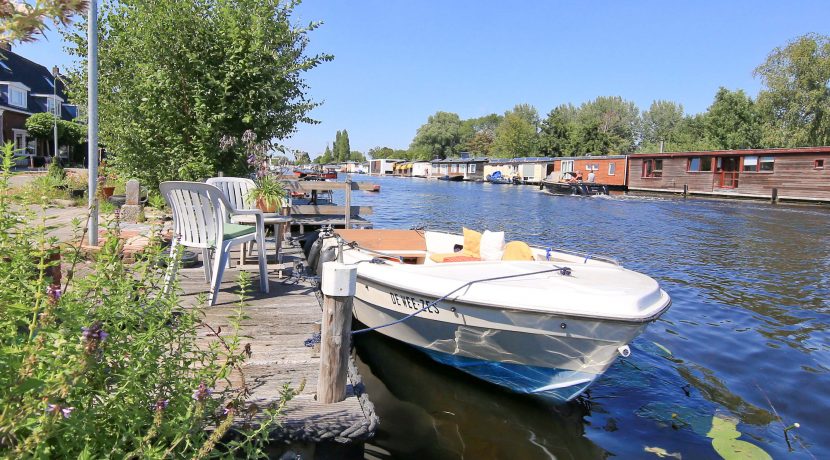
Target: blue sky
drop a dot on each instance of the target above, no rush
(398, 62)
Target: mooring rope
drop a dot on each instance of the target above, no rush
(566, 271)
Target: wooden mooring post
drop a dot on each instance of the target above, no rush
(685, 190)
(774, 197)
(338, 286)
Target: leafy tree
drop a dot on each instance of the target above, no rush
(440, 136)
(607, 125)
(357, 156)
(477, 134)
(515, 137)
(42, 126)
(557, 130)
(301, 158)
(528, 113)
(732, 121)
(342, 150)
(796, 102)
(20, 21)
(379, 153)
(176, 76)
(661, 122)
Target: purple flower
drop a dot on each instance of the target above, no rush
(202, 392)
(54, 292)
(57, 409)
(248, 137)
(93, 336)
(161, 404)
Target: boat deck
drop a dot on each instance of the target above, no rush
(278, 326)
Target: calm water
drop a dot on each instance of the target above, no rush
(747, 335)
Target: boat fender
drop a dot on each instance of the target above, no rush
(314, 254)
(547, 253)
(624, 351)
(326, 255)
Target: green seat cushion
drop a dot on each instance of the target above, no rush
(235, 231)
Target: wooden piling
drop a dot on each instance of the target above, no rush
(338, 287)
(334, 349)
(348, 204)
(774, 195)
(685, 190)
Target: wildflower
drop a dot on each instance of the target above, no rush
(226, 143)
(54, 292)
(57, 409)
(202, 392)
(248, 137)
(93, 336)
(161, 404)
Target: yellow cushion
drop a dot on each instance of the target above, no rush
(517, 250)
(472, 242)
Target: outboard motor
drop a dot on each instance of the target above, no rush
(307, 240)
(328, 254)
(314, 254)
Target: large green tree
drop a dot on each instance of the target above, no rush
(732, 121)
(607, 125)
(440, 136)
(662, 123)
(477, 134)
(557, 131)
(176, 76)
(42, 126)
(515, 137)
(796, 101)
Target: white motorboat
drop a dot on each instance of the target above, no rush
(549, 324)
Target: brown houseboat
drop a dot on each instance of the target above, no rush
(797, 173)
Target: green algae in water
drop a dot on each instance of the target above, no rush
(725, 434)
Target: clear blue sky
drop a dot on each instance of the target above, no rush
(397, 62)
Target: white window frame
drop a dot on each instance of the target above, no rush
(612, 168)
(21, 95)
(19, 136)
(567, 166)
(471, 169)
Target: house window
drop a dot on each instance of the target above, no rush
(612, 169)
(653, 168)
(818, 164)
(52, 106)
(472, 168)
(17, 97)
(699, 164)
(567, 165)
(756, 164)
(19, 139)
(767, 163)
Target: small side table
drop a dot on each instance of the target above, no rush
(275, 219)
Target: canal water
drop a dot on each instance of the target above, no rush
(747, 338)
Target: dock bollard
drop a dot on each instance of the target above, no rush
(338, 286)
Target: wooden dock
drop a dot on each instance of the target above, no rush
(279, 325)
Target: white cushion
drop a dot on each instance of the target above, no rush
(492, 245)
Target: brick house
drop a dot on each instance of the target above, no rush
(27, 88)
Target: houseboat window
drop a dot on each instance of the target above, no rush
(653, 168)
(767, 163)
(567, 165)
(472, 168)
(699, 164)
(818, 164)
(751, 164)
(612, 169)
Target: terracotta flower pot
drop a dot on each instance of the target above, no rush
(268, 206)
(107, 192)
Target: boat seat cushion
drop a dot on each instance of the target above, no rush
(472, 241)
(517, 250)
(492, 245)
(442, 257)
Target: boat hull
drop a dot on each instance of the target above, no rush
(551, 355)
(575, 189)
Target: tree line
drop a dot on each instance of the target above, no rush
(792, 110)
(340, 151)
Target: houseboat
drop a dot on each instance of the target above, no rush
(470, 169)
(383, 166)
(789, 174)
(609, 170)
(526, 170)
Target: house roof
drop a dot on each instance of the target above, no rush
(709, 153)
(17, 69)
(520, 160)
(461, 160)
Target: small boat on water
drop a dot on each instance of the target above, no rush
(498, 178)
(566, 185)
(452, 177)
(534, 320)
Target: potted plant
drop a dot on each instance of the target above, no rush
(268, 195)
(103, 176)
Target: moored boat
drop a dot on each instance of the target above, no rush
(452, 177)
(566, 186)
(535, 320)
(498, 178)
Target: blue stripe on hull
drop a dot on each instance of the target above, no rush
(556, 384)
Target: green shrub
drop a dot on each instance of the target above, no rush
(104, 365)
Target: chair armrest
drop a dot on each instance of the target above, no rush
(260, 218)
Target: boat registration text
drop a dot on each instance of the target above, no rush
(413, 303)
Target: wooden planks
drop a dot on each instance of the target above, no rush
(277, 326)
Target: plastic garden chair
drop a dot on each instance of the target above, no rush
(201, 220)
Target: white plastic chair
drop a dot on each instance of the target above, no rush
(237, 191)
(201, 220)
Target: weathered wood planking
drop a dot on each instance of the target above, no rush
(278, 325)
(311, 185)
(327, 209)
